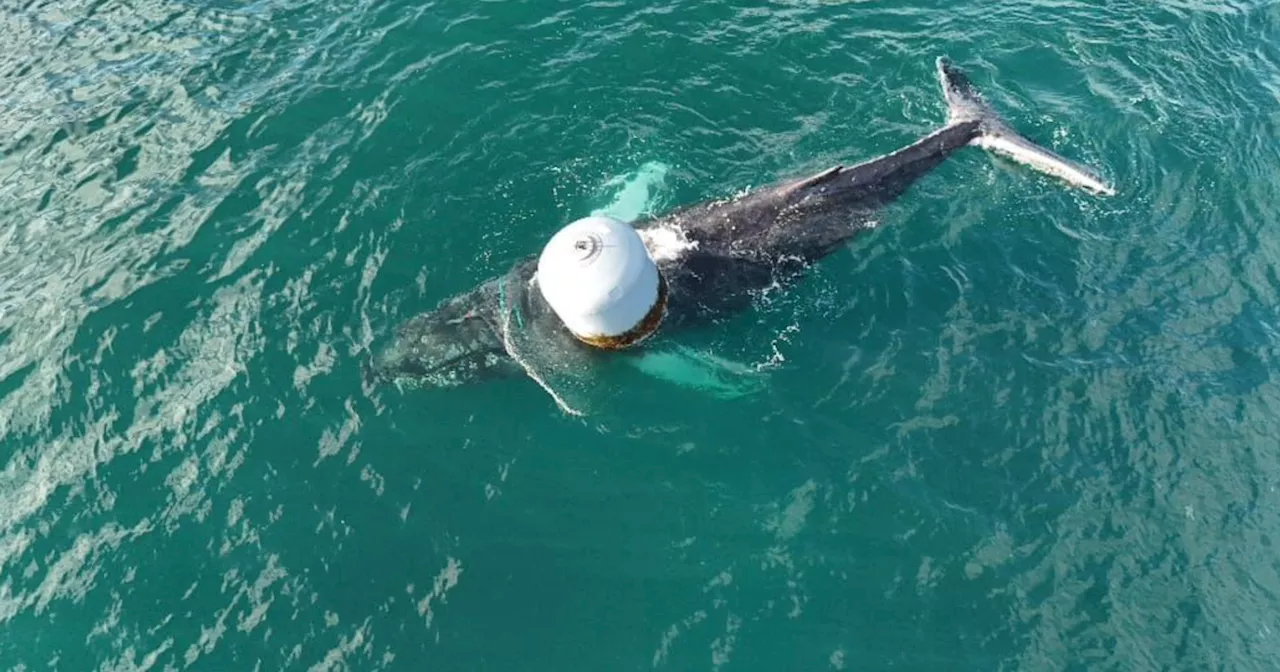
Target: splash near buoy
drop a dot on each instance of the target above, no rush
(598, 278)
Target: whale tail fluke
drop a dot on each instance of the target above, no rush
(994, 135)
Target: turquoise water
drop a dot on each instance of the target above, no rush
(1015, 427)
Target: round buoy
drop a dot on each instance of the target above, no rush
(597, 276)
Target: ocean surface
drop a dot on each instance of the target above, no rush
(1015, 427)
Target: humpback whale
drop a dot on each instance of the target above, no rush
(710, 256)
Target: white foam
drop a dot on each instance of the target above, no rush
(666, 242)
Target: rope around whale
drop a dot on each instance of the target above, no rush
(511, 350)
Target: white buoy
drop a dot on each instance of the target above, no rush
(598, 277)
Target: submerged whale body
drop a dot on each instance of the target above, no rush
(712, 255)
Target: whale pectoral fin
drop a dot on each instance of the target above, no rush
(812, 181)
(701, 371)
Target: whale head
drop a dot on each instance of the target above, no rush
(457, 343)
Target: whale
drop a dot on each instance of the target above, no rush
(714, 255)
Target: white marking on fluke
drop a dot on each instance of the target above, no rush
(1043, 160)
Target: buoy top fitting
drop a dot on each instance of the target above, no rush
(597, 276)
